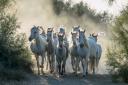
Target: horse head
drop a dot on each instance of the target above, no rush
(94, 35)
(74, 37)
(49, 34)
(82, 38)
(76, 28)
(61, 39)
(34, 33)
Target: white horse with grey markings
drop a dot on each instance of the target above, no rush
(74, 53)
(83, 51)
(38, 47)
(51, 49)
(61, 54)
(92, 55)
(75, 61)
(98, 49)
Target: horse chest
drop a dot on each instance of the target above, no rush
(50, 48)
(83, 52)
(74, 51)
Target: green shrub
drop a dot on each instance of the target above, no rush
(118, 55)
(15, 57)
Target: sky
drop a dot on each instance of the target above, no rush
(102, 5)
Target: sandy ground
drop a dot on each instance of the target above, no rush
(68, 79)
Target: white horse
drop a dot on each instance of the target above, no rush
(98, 49)
(51, 49)
(61, 54)
(38, 47)
(92, 55)
(74, 53)
(83, 51)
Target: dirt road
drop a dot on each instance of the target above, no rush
(68, 79)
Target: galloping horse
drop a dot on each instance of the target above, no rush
(61, 56)
(98, 49)
(50, 49)
(83, 51)
(38, 46)
(92, 55)
(74, 54)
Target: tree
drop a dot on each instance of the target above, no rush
(15, 58)
(118, 56)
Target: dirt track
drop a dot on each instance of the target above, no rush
(68, 79)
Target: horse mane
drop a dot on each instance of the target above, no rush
(91, 37)
(86, 43)
(42, 40)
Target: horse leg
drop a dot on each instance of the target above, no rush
(59, 68)
(94, 63)
(97, 62)
(58, 65)
(78, 62)
(84, 67)
(38, 65)
(52, 63)
(91, 64)
(42, 63)
(76, 65)
(87, 67)
(73, 62)
(63, 67)
(49, 59)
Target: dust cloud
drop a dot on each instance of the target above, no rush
(40, 12)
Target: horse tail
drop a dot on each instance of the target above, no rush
(98, 54)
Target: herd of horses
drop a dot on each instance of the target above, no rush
(55, 44)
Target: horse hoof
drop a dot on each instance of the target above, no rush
(61, 73)
(84, 76)
(38, 74)
(86, 73)
(51, 71)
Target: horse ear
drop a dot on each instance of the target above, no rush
(90, 34)
(84, 30)
(52, 28)
(96, 35)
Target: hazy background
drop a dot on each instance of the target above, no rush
(40, 12)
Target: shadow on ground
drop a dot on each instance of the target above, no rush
(68, 79)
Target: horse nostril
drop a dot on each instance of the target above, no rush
(30, 39)
(81, 45)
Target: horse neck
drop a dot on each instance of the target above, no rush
(50, 42)
(75, 43)
(91, 37)
(61, 43)
(39, 40)
(86, 42)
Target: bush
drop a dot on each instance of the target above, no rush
(118, 56)
(15, 57)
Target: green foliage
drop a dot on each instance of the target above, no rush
(118, 56)
(79, 10)
(4, 4)
(14, 54)
(58, 6)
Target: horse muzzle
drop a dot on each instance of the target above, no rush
(30, 39)
(81, 45)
